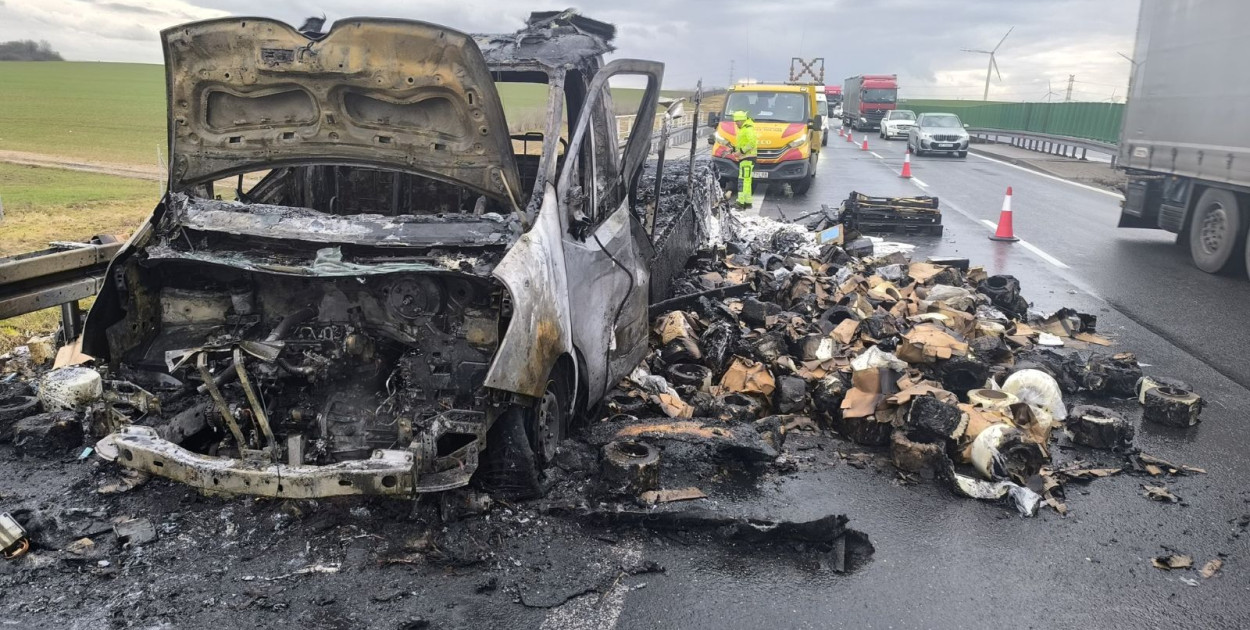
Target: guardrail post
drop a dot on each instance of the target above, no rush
(71, 322)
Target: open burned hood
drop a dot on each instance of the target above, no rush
(248, 94)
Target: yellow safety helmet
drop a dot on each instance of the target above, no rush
(740, 116)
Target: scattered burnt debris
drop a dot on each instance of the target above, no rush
(1171, 406)
(823, 543)
(1099, 427)
(937, 362)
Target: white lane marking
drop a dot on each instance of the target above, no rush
(1049, 176)
(595, 611)
(1031, 247)
(1043, 255)
(919, 183)
(874, 154)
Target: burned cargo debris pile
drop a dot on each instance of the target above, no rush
(676, 186)
(947, 369)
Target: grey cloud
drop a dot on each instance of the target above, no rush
(129, 8)
(920, 40)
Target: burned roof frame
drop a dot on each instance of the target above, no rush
(548, 41)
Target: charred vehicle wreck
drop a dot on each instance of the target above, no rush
(407, 297)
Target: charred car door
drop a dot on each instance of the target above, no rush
(607, 251)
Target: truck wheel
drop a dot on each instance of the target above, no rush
(801, 186)
(1215, 230)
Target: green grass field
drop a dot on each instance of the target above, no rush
(52, 204)
(110, 112)
(115, 112)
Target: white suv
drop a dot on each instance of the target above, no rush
(896, 123)
(938, 133)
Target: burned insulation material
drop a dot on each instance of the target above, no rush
(953, 379)
(686, 219)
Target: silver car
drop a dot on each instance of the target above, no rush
(897, 123)
(938, 133)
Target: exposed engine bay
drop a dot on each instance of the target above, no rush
(305, 353)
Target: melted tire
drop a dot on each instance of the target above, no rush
(509, 468)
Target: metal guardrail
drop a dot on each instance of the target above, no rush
(58, 276)
(684, 135)
(1046, 142)
(676, 135)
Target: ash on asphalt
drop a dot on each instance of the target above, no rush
(352, 562)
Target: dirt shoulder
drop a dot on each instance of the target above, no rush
(152, 173)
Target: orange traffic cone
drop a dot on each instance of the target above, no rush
(906, 174)
(865, 145)
(841, 132)
(850, 137)
(1004, 231)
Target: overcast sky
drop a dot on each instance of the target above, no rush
(920, 40)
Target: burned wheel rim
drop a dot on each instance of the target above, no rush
(548, 426)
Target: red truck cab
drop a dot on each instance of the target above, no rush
(867, 98)
(833, 98)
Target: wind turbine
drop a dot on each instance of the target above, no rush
(1049, 92)
(993, 66)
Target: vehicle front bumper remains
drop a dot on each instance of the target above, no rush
(397, 472)
(787, 171)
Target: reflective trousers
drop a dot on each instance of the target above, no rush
(745, 168)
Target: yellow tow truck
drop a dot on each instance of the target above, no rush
(788, 124)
